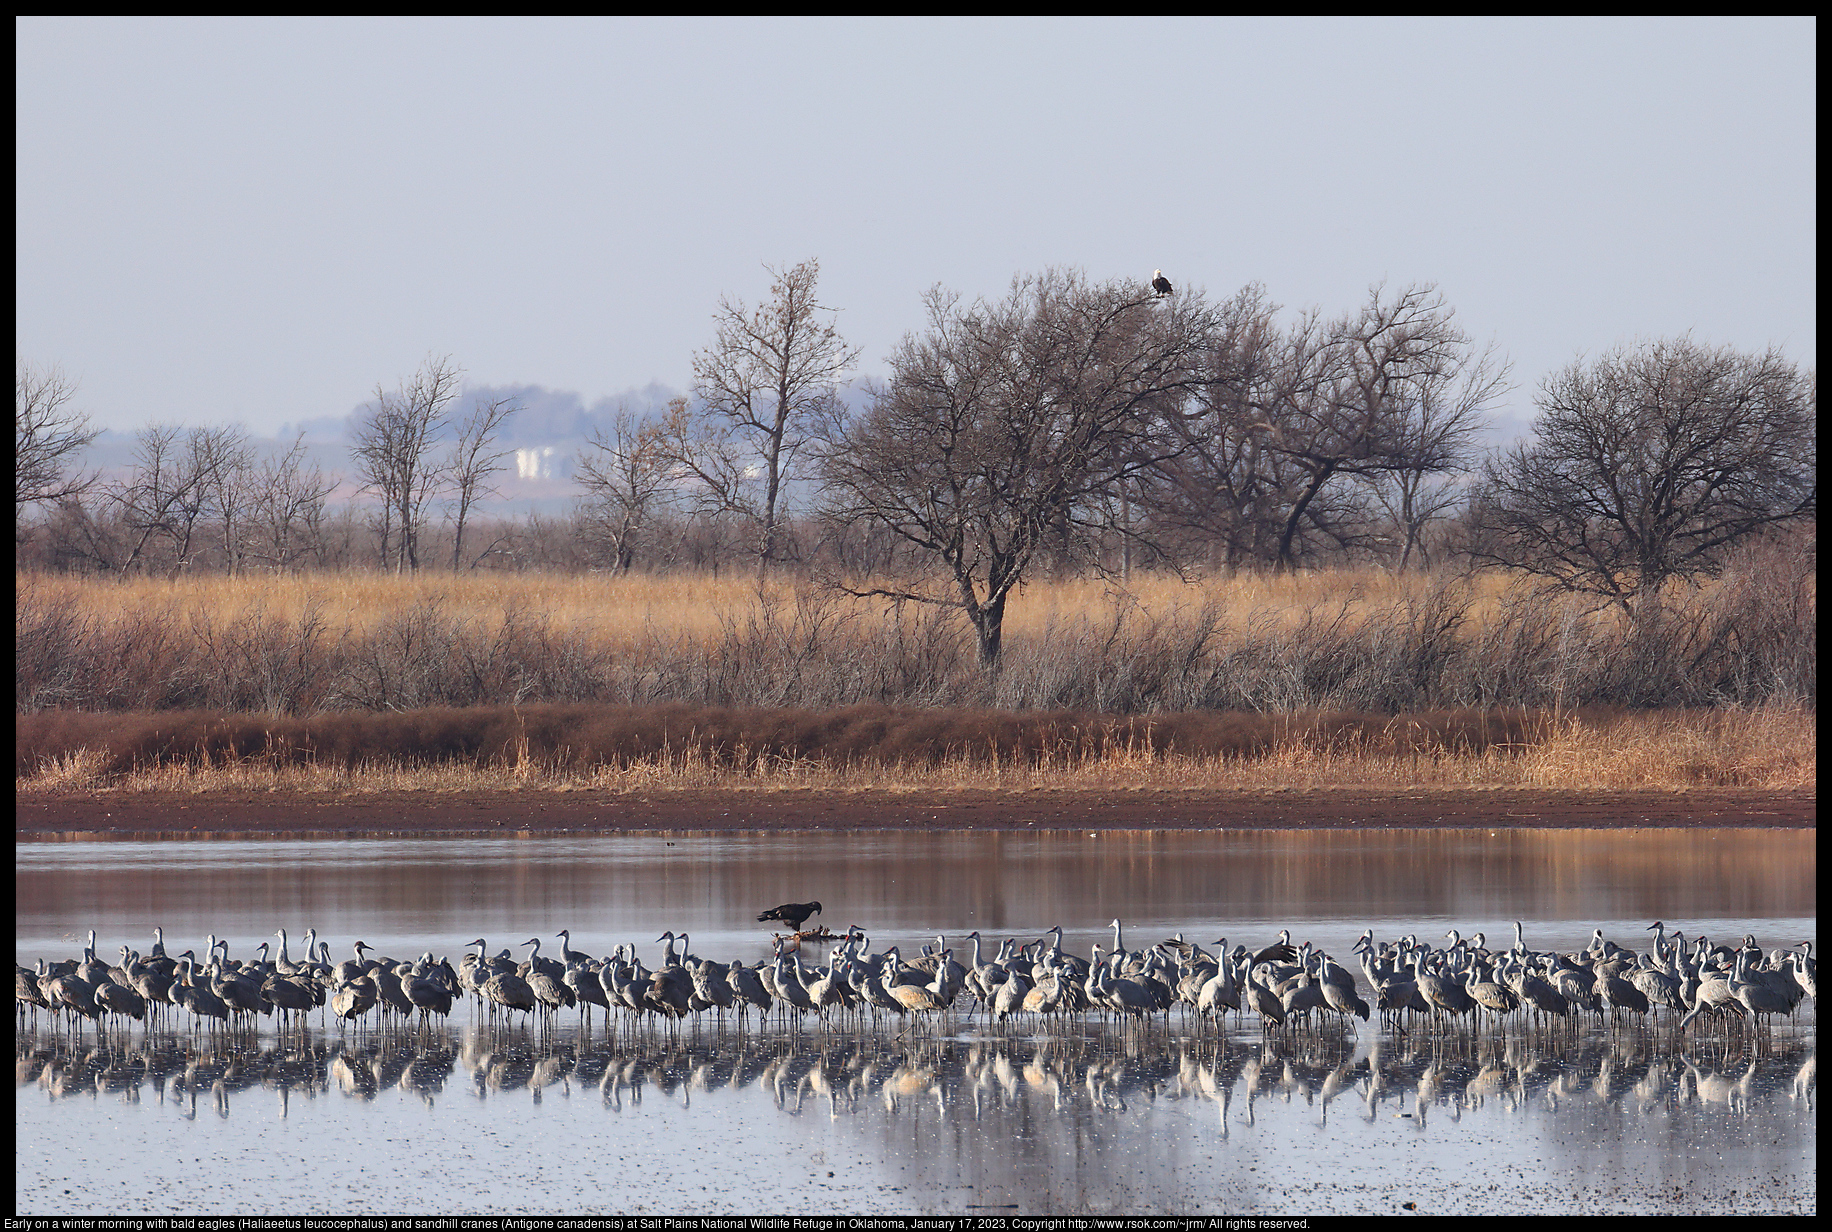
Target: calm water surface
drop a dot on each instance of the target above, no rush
(955, 1120)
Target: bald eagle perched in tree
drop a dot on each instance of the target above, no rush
(1159, 282)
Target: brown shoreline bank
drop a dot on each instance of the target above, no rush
(251, 814)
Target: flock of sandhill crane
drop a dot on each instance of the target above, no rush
(1285, 985)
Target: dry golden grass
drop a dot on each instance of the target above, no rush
(621, 609)
(1656, 752)
(607, 608)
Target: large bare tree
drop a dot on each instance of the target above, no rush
(1218, 494)
(766, 387)
(1300, 435)
(394, 452)
(1649, 463)
(48, 434)
(1393, 390)
(1007, 422)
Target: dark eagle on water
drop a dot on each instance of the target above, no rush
(792, 914)
(1159, 282)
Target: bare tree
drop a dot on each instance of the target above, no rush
(1296, 435)
(1007, 422)
(1217, 482)
(474, 459)
(47, 436)
(766, 385)
(395, 438)
(229, 491)
(1649, 463)
(287, 509)
(1437, 441)
(168, 492)
(625, 480)
(1395, 388)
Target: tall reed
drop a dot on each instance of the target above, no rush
(609, 747)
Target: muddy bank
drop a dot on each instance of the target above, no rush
(174, 815)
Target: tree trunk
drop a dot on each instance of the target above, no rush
(989, 624)
(1288, 536)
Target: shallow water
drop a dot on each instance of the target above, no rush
(956, 1119)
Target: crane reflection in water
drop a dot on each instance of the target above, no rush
(1095, 1068)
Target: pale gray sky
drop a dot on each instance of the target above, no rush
(259, 220)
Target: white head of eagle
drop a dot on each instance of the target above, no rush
(1159, 282)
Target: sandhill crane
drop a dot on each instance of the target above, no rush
(1757, 996)
(27, 991)
(1300, 994)
(789, 984)
(200, 999)
(550, 990)
(1658, 987)
(91, 970)
(283, 963)
(354, 999)
(392, 997)
(1280, 951)
(1260, 997)
(354, 968)
(1490, 994)
(154, 985)
(425, 992)
(983, 977)
(587, 988)
(1443, 995)
(568, 955)
(1219, 993)
(747, 989)
(112, 998)
(287, 995)
(241, 994)
(1342, 997)
(547, 966)
(950, 976)
(828, 991)
(1714, 993)
(912, 998)
(1534, 991)
(1801, 967)
(1115, 992)
(1618, 993)
(510, 992)
(1008, 997)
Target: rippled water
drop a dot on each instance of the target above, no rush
(1086, 1117)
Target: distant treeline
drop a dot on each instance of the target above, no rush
(1071, 427)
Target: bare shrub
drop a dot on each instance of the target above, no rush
(50, 637)
(401, 664)
(266, 665)
(1367, 645)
